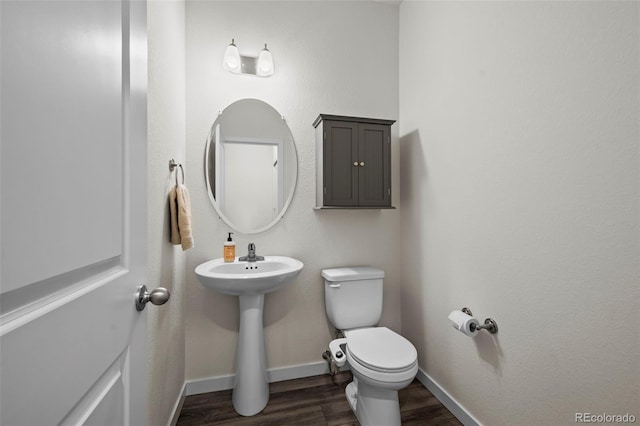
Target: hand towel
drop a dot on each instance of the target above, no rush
(184, 217)
(174, 232)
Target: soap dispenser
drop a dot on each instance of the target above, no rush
(229, 249)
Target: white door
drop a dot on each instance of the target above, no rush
(73, 212)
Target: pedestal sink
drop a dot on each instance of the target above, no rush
(250, 281)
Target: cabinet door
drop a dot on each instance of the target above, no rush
(340, 154)
(374, 165)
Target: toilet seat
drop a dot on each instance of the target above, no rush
(381, 350)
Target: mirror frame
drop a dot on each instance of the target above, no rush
(213, 201)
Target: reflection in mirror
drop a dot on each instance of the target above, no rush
(251, 166)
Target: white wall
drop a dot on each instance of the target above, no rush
(330, 57)
(519, 177)
(165, 263)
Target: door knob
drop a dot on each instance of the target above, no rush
(159, 296)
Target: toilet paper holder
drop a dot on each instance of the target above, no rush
(489, 324)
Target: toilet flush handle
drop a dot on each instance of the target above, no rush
(334, 285)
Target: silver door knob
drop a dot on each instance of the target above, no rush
(159, 296)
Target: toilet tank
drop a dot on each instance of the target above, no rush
(353, 296)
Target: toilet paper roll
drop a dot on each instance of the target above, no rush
(462, 322)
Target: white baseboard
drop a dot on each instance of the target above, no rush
(447, 400)
(297, 371)
(177, 407)
(218, 383)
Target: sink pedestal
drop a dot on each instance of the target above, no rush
(250, 281)
(251, 387)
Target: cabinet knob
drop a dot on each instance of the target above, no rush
(362, 164)
(355, 163)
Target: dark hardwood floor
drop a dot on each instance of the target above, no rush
(310, 401)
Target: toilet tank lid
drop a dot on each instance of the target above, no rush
(352, 273)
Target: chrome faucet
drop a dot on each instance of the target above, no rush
(251, 255)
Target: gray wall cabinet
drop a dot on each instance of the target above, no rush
(353, 162)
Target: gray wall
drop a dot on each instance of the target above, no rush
(519, 177)
(330, 57)
(165, 263)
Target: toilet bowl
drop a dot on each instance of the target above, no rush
(381, 360)
(381, 356)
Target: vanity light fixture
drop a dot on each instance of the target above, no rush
(231, 61)
(265, 63)
(238, 64)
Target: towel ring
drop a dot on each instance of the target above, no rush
(172, 167)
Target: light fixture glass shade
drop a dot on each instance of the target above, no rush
(265, 63)
(231, 60)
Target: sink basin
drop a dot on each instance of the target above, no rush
(237, 278)
(250, 281)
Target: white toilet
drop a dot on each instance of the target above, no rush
(382, 361)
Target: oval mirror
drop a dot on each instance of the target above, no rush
(251, 166)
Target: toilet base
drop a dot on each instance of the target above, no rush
(373, 406)
(351, 392)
